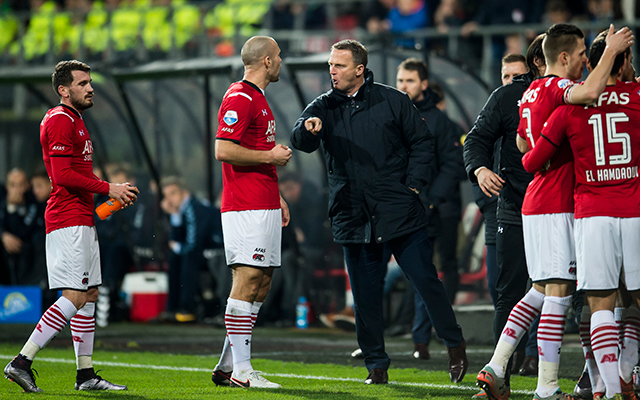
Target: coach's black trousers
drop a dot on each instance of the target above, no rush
(367, 269)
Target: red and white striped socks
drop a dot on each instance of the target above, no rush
(597, 384)
(550, 333)
(226, 358)
(604, 342)
(83, 328)
(50, 324)
(238, 321)
(629, 349)
(519, 321)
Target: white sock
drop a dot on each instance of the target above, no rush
(50, 324)
(226, 358)
(597, 384)
(604, 342)
(237, 319)
(629, 352)
(518, 324)
(83, 329)
(550, 333)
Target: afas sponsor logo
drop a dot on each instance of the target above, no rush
(58, 148)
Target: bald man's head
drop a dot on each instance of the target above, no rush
(256, 49)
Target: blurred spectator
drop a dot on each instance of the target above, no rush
(407, 16)
(512, 64)
(437, 89)
(287, 15)
(8, 26)
(192, 229)
(126, 22)
(449, 13)
(115, 251)
(498, 12)
(373, 17)
(18, 215)
(41, 188)
(557, 12)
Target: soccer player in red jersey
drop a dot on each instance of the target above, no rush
(73, 254)
(548, 207)
(604, 139)
(253, 212)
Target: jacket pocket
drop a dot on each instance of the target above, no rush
(336, 194)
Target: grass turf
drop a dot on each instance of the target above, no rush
(168, 376)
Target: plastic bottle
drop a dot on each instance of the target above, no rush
(107, 208)
(302, 313)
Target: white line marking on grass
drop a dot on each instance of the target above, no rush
(295, 376)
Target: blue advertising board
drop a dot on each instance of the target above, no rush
(20, 304)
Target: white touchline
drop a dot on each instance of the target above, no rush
(189, 369)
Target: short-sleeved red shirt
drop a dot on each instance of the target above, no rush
(551, 191)
(64, 136)
(245, 118)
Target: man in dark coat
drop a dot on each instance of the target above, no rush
(379, 154)
(441, 196)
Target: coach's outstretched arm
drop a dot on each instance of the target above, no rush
(617, 42)
(235, 154)
(307, 132)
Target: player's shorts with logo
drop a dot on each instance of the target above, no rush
(549, 246)
(252, 237)
(73, 258)
(607, 250)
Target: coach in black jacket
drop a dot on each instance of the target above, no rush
(378, 152)
(498, 122)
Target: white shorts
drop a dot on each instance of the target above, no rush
(549, 246)
(73, 258)
(608, 250)
(252, 237)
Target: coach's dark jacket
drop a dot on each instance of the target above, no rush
(498, 121)
(443, 192)
(376, 146)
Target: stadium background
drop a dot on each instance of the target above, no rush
(160, 70)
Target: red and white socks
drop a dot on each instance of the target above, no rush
(239, 326)
(597, 384)
(604, 342)
(83, 328)
(519, 321)
(550, 333)
(50, 324)
(226, 363)
(629, 348)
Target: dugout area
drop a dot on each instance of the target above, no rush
(161, 119)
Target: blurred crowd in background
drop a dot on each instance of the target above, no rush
(125, 32)
(180, 235)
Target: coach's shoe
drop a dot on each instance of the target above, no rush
(458, 362)
(21, 376)
(495, 387)
(583, 387)
(252, 379)
(627, 390)
(221, 378)
(97, 383)
(558, 395)
(377, 376)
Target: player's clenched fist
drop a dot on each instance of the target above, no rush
(313, 125)
(281, 155)
(125, 193)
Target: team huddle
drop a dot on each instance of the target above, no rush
(580, 215)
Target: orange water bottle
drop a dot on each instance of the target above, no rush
(107, 208)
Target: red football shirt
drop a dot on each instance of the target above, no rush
(68, 156)
(551, 191)
(605, 141)
(246, 119)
